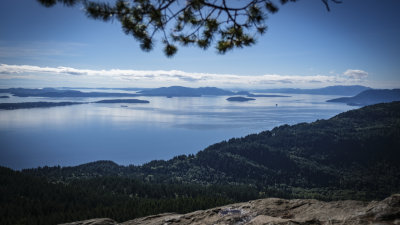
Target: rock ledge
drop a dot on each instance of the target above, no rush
(275, 211)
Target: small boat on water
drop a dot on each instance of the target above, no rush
(124, 106)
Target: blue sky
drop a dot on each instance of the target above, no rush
(305, 46)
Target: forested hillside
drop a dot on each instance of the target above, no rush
(26, 199)
(355, 150)
(353, 155)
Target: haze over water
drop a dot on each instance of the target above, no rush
(140, 133)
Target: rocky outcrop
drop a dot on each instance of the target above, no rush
(99, 221)
(276, 211)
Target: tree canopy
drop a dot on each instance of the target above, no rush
(224, 24)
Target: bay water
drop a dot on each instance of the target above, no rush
(139, 133)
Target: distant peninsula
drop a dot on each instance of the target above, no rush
(122, 101)
(240, 99)
(330, 90)
(4, 96)
(370, 97)
(29, 105)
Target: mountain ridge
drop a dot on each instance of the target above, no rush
(369, 97)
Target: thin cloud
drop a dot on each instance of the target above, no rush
(32, 49)
(177, 77)
(356, 74)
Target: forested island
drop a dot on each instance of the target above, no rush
(353, 155)
(60, 93)
(240, 99)
(122, 101)
(266, 96)
(29, 105)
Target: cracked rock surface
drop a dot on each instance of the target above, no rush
(275, 211)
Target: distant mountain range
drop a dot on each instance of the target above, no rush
(330, 90)
(179, 91)
(369, 97)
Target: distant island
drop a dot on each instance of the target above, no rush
(266, 96)
(28, 105)
(330, 90)
(240, 99)
(122, 101)
(369, 97)
(5, 96)
(179, 91)
(248, 94)
(58, 93)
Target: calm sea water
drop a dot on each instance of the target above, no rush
(139, 133)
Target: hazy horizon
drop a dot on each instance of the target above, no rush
(236, 88)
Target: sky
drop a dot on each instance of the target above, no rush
(306, 46)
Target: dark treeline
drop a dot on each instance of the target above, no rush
(27, 199)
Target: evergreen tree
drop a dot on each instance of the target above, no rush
(226, 24)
